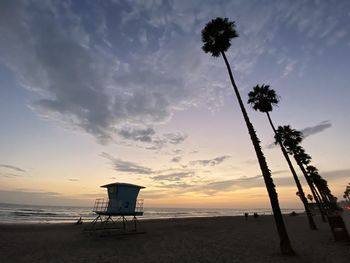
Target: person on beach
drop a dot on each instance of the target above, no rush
(293, 214)
(246, 216)
(79, 222)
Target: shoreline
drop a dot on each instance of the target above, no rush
(206, 239)
(38, 214)
(141, 219)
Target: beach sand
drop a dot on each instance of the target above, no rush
(220, 239)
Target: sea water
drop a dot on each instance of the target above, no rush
(14, 213)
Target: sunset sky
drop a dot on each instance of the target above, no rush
(94, 92)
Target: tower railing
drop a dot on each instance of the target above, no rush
(139, 206)
(102, 205)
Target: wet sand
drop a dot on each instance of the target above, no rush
(220, 239)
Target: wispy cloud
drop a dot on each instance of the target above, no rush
(322, 126)
(335, 174)
(177, 176)
(13, 168)
(149, 138)
(73, 179)
(308, 131)
(100, 77)
(9, 175)
(176, 159)
(137, 134)
(230, 185)
(37, 197)
(251, 162)
(167, 139)
(175, 138)
(210, 162)
(127, 167)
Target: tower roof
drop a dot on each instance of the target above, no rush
(123, 184)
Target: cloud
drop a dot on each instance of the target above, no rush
(175, 138)
(73, 180)
(9, 175)
(279, 172)
(316, 129)
(245, 183)
(140, 62)
(251, 161)
(158, 143)
(100, 76)
(177, 185)
(177, 176)
(210, 162)
(127, 167)
(37, 197)
(229, 185)
(13, 168)
(290, 65)
(155, 194)
(324, 23)
(176, 159)
(335, 174)
(142, 135)
(308, 131)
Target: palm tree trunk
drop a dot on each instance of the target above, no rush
(285, 245)
(321, 195)
(296, 179)
(313, 190)
(320, 201)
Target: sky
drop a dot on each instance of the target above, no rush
(95, 92)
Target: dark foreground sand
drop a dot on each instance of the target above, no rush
(222, 239)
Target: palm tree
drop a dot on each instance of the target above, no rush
(318, 184)
(315, 179)
(347, 193)
(291, 139)
(216, 37)
(262, 99)
(321, 184)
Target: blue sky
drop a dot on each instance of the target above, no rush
(99, 91)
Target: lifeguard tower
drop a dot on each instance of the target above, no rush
(122, 202)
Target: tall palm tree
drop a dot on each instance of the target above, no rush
(216, 37)
(262, 99)
(321, 184)
(316, 181)
(317, 184)
(347, 193)
(291, 139)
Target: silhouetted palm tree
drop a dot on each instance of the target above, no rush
(321, 184)
(262, 99)
(347, 193)
(291, 139)
(315, 178)
(321, 200)
(216, 37)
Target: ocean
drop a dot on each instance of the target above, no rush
(22, 214)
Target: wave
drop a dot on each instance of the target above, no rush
(58, 214)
